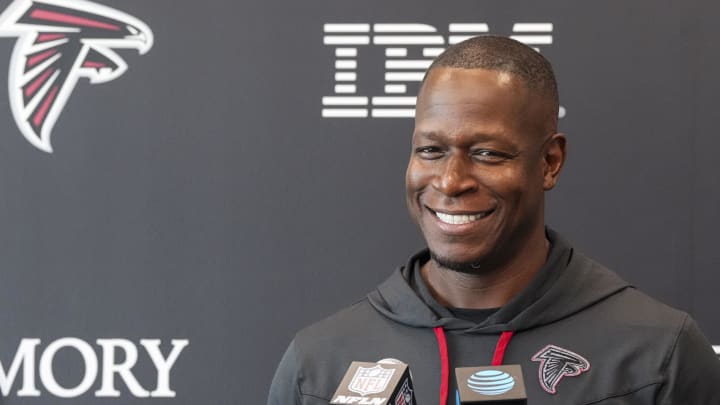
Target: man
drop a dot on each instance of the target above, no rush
(495, 285)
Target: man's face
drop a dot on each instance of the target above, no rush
(478, 169)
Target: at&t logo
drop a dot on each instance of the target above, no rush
(491, 382)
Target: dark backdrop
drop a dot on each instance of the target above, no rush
(203, 196)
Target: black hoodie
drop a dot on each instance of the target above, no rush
(614, 344)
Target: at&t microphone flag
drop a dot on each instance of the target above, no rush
(492, 385)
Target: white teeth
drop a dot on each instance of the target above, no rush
(458, 219)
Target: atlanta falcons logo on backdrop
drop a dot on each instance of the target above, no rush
(60, 41)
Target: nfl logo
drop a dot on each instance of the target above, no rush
(405, 395)
(372, 380)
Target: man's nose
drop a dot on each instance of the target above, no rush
(456, 177)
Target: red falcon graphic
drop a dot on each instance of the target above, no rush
(556, 363)
(60, 41)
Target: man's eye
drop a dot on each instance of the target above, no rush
(428, 152)
(491, 156)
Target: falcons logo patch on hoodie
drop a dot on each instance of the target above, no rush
(58, 42)
(556, 363)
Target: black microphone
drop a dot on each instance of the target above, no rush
(492, 385)
(376, 384)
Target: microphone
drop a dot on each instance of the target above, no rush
(492, 385)
(376, 384)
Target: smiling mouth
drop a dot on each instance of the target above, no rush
(460, 219)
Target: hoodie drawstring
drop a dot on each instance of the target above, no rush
(497, 360)
(444, 365)
(500, 347)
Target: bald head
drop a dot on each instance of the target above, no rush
(503, 54)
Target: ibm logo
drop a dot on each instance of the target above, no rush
(409, 51)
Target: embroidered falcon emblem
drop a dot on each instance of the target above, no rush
(556, 363)
(58, 42)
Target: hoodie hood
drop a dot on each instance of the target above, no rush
(566, 284)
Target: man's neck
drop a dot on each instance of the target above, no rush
(490, 288)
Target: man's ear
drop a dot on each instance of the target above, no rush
(554, 159)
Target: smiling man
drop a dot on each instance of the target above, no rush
(485, 149)
(495, 286)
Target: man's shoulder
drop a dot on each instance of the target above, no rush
(630, 304)
(650, 321)
(633, 322)
(343, 324)
(318, 357)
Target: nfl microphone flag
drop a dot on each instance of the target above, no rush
(375, 384)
